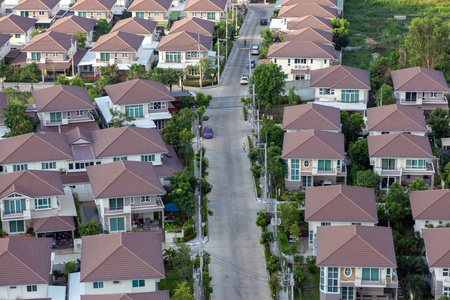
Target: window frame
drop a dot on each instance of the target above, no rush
(138, 283)
(97, 285)
(32, 288)
(17, 222)
(345, 272)
(295, 169)
(46, 203)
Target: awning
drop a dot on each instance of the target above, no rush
(54, 224)
(163, 23)
(145, 56)
(433, 106)
(298, 71)
(345, 106)
(21, 60)
(160, 116)
(170, 207)
(174, 15)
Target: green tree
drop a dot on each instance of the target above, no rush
(77, 81)
(102, 27)
(111, 73)
(89, 228)
(340, 32)
(62, 79)
(81, 39)
(417, 184)
(263, 219)
(276, 167)
(136, 71)
(268, 37)
(387, 95)
(439, 122)
(427, 42)
(16, 120)
(182, 292)
(359, 153)
(273, 133)
(32, 72)
(181, 191)
(415, 285)
(397, 206)
(293, 98)
(266, 237)
(70, 268)
(185, 150)
(15, 74)
(300, 276)
(36, 32)
(4, 71)
(368, 178)
(352, 127)
(166, 76)
(177, 124)
(119, 118)
(99, 86)
(269, 83)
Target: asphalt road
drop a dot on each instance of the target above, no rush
(238, 266)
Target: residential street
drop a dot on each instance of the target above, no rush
(237, 259)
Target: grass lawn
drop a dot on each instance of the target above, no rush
(22, 97)
(310, 290)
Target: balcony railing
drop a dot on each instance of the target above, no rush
(26, 214)
(369, 283)
(66, 121)
(420, 101)
(302, 67)
(117, 211)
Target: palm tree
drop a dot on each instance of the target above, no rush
(415, 286)
(136, 72)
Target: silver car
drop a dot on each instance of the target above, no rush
(255, 50)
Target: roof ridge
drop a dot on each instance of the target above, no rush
(358, 206)
(324, 142)
(122, 129)
(404, 136)
(406, 116)
(17, 26)
(117, 34)
(56, 41)
(26, 140)
(142, 179)
(434, 202)
(64, 220)
(409, 78)
(49, 143)
(98, 265)
(300, 144)
(341, 78)
(428, 76)
(32, 271)
(61, 90)
(326, 204)
(357, 235)
(134, 254)
(32, 173)
(322, 116)
(141, 135)
(441, 257)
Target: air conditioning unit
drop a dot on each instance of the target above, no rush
(62, 169)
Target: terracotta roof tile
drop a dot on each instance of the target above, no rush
(135, 25)
(36, 5)
(399, 145)
(206, 5)
(61, 98)
(50, 41)
(310, 21)
(304, 9)
(73, 24)
(78, 133)
(91, 5)
(159, 295)
(12, 24)
(170, 163)
(430, 205)
(31, 183)
(183, 41)
(419, 79)
(437, 244)
(311, 116)
(54, 224)
(194, 25)
(329, 3)
(118, 41)
(341, 77)
(4, 38)
(396, 117)
(138, 91)
(309, 34)
(150, 5)
(305, 49)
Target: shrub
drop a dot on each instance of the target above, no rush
(298, 258)
(70, 268)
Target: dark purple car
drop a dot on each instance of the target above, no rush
(208, 132)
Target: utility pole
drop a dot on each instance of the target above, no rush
(265, 168)
(249, 74)
(200, 251)
(218, 57)
(226, 39)
(199, 59)
(381, 97)
(73, 67)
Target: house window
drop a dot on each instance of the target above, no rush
(150, 157)
(41, 13)
(388, 273)
(306, 181)
(300, 60)
(174, 57)
(115, 203)
(211, 16)
(324, 165)
(79, 113)
(194, 14)
(274, 60)
(55, 54)
(350, 96)
(135, 111)
(446, 291)
(388, 164)
(295, 169)
(445, 272)
(192, 54)
(311, 237)
(16, 226)
(325, 61)
(286, 76)
(35, 56)
(415, 164)
(48, 165)
(333, 275)
(99, 14)
(56, 116)
(124, 55)
(20, 167)
(140, 14)
(385, 132)
(105, 56)
(348, 272)
(411, 96)
(371, 274)
(132, 201)
(145, 199)
(17, 36)
(312, 61)
(156, 13)
(83, 165)
(139, 283)
(356, 223)
(119, 158)
(82, 14)
(15, 206)
(306, 163)
(322, 278)
(325, 224)
(338, 162)
(289, 61)
(157, 105)
(32, 288)
(92, 14)
(46, 55)
(323, 91)
(160, 124)
(98, 284)
(24, 13)
(43, 203)
(433, 94)
(117, 224)
(347, 293)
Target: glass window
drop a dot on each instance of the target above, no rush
(157, 105)
(124, 54)
(16, 226)
(311, 237)
(388, 273)
(15, 206)
(371, 274)
(56, 116)
(433, 95)
(211, 16)
(43, 203)
(306, 181)
(116, 224)
(324, 165)
(140, 14)
(35, 56)
(350, 96)
(323, 91)
(347, 293)
(55, 54)
(156, 13)
(79, 113)
(192, 54)
(348, 272)
(139, 283)
(98, 284)
(411, 96)
(99, 13)
(119, 158)
(415, 164)
(115, 203)
(173, 57)
(445, 272)
(145, 198)
(105, 56)
(333, 275)
(82, 14)
(150, 157)
(135, 111)
(446, 291)
(32, 288)
(306, 163)
(295, 169)
(48, 165)
(17, 36)
(325, 224)
(20, 167)
(289, 61)
(322, 278)
(388, 164)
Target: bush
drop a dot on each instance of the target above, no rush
(245, 113)
(298, 258)
(437, 180)
(70, 268)
(253, 154)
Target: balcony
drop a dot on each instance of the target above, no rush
(369, 283)
(117, 211)
(66, 121)
(147, 207)
(387, 172)
(429, 168)
(302, 67)
(25, 215)
(420, 101)
(316, 171)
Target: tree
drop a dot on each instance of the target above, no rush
(397, 206)
(417, 184)
(181, 191)
(368, 178)
(340, 32)
(77, 81)
(62, 79)
(4, 71)
(387, 95)
(177, 124)
(32, 72)
(263, 219)
(16, 75)
(185, 150)
(359, 153)
(275, 164)
(352, 127)
(69, 268)
(111, 73)
(269, 83)
(273, 133)
(200, 100)
(36, 32)
(16, 120)
(81, 39)
(102, 27)
(89, 228)
(167, 76)
(415, 286)
(268, 37)
(300, 276)
(119, 118)
(99, 86)
(183, 292)
(427, 42)
(136, 71)
(439, 122)
(293, 98)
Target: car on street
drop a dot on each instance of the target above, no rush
(244, 79)
(208, 132)
(264, 21)
(255, 50)
(253, 63)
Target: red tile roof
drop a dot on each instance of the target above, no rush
(138, 91)
(54, 224)
(62, 98)
(430, 205)
(194, 25)
(310, 21)
(304, 9)
(135, 25)
(31, 183)
(309, 34)
(93, 5)
(118, 41)
(311, 116)
(206, 5)
(419, 79)
(437, 244)
(50, 41)
(340, 77)
(396, 117)
(73, 24)
(12, 24)
(150, 5)
(36, 5)
(159, 295)
(305, 49)
(399, 145)
(183, 41)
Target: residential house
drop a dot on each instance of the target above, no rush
(5, 46)
(139, 26)
(297, 58)
(43, 10)
(311, 116)
(74, 24)
(27, 266)
(2, 8)
(28, 196)
(146, 101)
(430, 207)
(64, 107)
(309, 34)
(311, 21)
(170, 164)
(20, 28)
(95, 9)
(356, 262)
(328, 3)
(291, 12)
(194, 25)
(313, 158)
(127, 194)
(401, 157)
(338, 205)
(420, 87)
(437, 247)
(184, 50)
(213, 10)
(156, 10)
(117, 266)
(340, 86)
(396, 118)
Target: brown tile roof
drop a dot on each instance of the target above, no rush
(309, 34)
(50, 41)
(117, 141)
(89, 126)
(159, 295)
(194, 25)
(36, 5)
(73, 24)
(341, 77)
(22, 148)
(313, 144)
(183, 41)
(396, 117)
(121, 256)
(93, 5)
(150, 5)
(54, 224)
(21, 60)
(74, 177)
(118, 41)
(138, 91)
(430, 205)
(355, 246)
(135, 26)
(62, 98)
(12, 24)
(305, 49)
(310, 21)
(399, 145)
(31, 183)
(340, 203)
(437, 244)
(329, 3)
(4, 38)
(206, 5)
(124, 179)
(25, 261)
(170, 163)
(78, 133)
(304, 9)
(311, 116)
(419, 79)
